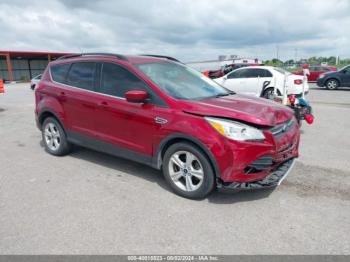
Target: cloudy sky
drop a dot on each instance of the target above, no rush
(187, 29)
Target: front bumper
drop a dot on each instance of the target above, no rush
(274, 179)
(248, 162)
(321, 82)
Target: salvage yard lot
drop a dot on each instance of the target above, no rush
(92, 203)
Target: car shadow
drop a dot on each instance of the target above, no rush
(120, 165)
(222, 196)
(232, 196)
(325, 89)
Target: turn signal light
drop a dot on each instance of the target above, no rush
(298, 81)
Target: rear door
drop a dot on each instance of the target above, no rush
(78, 98)
(314, 73)
(264, 78)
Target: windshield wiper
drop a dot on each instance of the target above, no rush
(225, 94)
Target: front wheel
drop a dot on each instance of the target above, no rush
(188, 171)
(332, 84)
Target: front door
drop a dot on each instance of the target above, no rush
(345, 77)
(126, 125)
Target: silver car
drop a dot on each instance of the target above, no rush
(34, 81)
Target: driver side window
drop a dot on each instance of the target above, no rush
(117, 80)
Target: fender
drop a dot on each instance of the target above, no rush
(333, 77)
(157, 158)
(46, 110)
(50, 105)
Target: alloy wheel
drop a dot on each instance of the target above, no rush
(332, 84)
(186, 171)
(52, 136)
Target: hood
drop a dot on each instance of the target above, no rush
(249, 109)
(330, 73)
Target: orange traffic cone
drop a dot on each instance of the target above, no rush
(2, 89)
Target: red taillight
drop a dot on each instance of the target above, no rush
(298, 81)
(291, 99)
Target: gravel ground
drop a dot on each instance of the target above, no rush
(92, 203)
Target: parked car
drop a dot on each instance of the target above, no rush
(35, 81)
(316, 71)
(226, 69)
(260, 80)
(333, 80)
(164, 114)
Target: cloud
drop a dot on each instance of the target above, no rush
(189, 30)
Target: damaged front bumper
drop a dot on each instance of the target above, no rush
(274, 179)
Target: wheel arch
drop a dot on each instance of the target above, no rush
(48, 113)
(176, 138)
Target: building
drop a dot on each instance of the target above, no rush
(24, 65)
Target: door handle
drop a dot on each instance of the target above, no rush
(103, 104)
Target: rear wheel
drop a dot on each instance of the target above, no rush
(332, 84)
(54, 138)
(269, 93)
(188, 171)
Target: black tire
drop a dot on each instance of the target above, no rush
(63, 147)
(268, 92)
(208, 181)
(32, 87)
(332, 84)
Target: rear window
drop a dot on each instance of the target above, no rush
(59, 72)
(82, 75)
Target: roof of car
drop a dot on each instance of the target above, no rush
(261, 67)
(134, 59)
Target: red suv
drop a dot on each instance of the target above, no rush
(159, 112)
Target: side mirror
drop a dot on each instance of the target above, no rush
(136, 96)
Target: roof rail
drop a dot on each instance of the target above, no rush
(121, 57)
(163, 56)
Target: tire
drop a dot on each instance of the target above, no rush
(32, 87)
(54, 138)
(332, 84)
(268, 93)
(188, 171)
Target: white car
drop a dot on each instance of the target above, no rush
(261, 80)
(34, 81)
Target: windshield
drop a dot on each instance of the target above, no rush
(182, 82)
(345, 67)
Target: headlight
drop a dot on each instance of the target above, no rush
(235, 130)
(321, 76)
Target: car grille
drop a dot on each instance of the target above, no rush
(282, 128)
